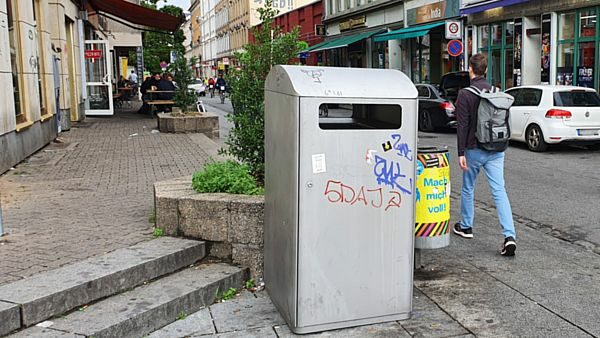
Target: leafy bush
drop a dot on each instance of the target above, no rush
(184, 97)
(271, 47)
(228, 177)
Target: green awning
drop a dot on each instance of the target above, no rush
(343, 41)
(407, 33)
(313, 47)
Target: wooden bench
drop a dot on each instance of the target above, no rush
(154, 103)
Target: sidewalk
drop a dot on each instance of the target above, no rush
(550, 289)
(91, 194)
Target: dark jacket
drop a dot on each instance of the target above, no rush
(466, 115)
(148, 83)
(166, 85)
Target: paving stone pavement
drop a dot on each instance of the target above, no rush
(91, 194)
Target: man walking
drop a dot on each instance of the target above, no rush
(472, 158)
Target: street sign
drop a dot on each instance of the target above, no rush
(320, 30)
(453, 30)
(455, 48)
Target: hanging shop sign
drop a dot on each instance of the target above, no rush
(320, 30)
(453, 30)
(546, 46)
(585, 77)
(518, 47)
(356, 22)
(433, 12)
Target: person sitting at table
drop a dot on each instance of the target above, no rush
(151, 83)
(122, 83)
(166, 84)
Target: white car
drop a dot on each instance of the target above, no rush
(543, 115)
(199, 87)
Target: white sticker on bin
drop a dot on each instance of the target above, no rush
(318, 163)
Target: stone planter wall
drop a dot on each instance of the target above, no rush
(231, 224)
(207, 124)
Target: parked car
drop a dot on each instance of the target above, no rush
(199, 86)
(542, 115)
(436, 102)
(434, 111)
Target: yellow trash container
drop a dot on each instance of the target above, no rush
(432, 221)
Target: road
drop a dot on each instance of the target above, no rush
(214, 105)
(558, 190)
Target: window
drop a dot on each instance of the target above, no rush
(41, 67)
(13, 37)
(567, 26)
(423, 92)
(526, 97)
(359, 116)
(587, 23)
(499, 48)
(576, 98)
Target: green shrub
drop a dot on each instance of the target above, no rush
(228, 177)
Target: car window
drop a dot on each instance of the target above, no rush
(423, 92)
(516, 93)
(576, 98)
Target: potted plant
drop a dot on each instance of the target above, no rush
(185, 117)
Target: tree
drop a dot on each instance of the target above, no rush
(271, 47)
(184, 97)
(158, 45)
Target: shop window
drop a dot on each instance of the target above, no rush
(41, 69)
(587, 23)
(13, 39)
(497, 34)
(566, 26)
(508, 69)
(509, 33)
(469, 46)
(585, 66)
(495, 67)
(566, 62)
(483, 36)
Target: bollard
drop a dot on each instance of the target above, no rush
(432, 221)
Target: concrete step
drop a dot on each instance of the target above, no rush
(149, 307)
(57, 291)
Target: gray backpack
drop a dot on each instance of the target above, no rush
(493, 124)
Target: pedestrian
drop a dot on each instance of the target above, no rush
(166, 86)
(133, 78)
(151, 83)
(472, 158)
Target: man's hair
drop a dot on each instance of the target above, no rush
(133, 72)
(478, 63)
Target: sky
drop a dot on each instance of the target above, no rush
(185, 4)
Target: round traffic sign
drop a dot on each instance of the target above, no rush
(455, 47)
(453, 28)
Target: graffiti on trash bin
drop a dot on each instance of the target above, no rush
(389, 173)
(402, 148)
(340, 193)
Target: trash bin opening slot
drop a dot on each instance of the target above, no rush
(359, 116)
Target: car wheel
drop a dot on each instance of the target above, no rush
(535, 139)
(425, 121)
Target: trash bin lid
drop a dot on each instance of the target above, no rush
(309, 81)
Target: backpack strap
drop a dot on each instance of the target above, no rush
(473, 90)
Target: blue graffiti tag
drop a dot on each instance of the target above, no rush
(389, 173)
(402, 149)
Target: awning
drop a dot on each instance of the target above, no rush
(137, 14)
(407, 33)
(343, 41)
(317, 46)
(485, 5)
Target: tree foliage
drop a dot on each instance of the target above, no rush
(271, 47)
(182, 69)
(158, 45)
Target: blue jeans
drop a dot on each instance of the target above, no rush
(493, 165)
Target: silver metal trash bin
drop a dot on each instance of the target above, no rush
(340, 147)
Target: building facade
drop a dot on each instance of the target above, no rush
(209, 37)
(195, 46)
(223, 36)
(533, 42)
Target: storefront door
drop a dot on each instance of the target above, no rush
(99, 85)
